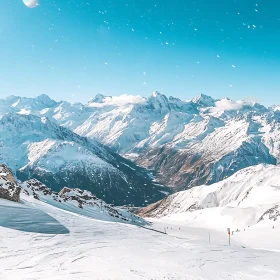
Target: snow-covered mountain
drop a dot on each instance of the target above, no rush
(188, 143)
(35, 147)
(249, 197)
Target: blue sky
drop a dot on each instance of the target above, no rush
(73, 50)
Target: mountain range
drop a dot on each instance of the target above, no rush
(186, 143)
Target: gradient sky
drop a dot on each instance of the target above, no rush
(74, 49)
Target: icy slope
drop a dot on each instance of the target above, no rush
(35, 147)
(248, 197)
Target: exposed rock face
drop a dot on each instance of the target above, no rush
(34, 186)
(7, 174)
(82, 197)
(64, 191)
(272, 214)
(8, 187)
(149, 210)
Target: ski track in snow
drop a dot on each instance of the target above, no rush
(107, 250)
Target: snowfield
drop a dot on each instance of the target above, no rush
(52, 243)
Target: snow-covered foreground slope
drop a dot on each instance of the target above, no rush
(189, 143)
(35, 147)
(94, 249)
(249, 197)
(260, 237)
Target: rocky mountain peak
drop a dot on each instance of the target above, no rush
(158, 101)
(99, 98)
(204, 100)
(46, 100)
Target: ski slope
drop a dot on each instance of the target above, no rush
(259, 237)
(96, 249)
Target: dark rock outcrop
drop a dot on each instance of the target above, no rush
(8, 186)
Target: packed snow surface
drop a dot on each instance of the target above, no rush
(81, 247)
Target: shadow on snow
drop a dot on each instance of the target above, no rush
(29, 220)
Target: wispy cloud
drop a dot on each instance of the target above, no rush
(121, 100)
(228, 105)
